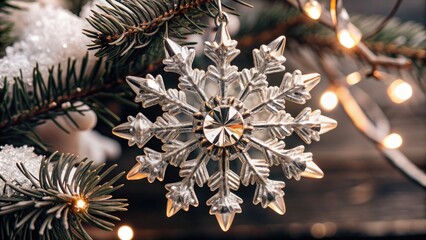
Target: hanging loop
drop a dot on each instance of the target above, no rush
(221, 16)
(223, 19)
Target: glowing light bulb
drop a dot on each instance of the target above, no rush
(80, 204)
(329, 100)
(400, 91)
(349, 37)
(353, 78)
(313, 9)
(125, 233)
(392, 141)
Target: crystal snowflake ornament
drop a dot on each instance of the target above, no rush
(222, 115)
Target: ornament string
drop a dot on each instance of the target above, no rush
(219, 9)
(221, 16)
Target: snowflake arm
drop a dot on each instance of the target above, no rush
(179, 60)
(222, 51)
(224, 204)
(268, 59)
(308, 125)
(181, 194)
(153, 164)
(168, 127)
(294, 162)
(294, 87)
(151, 91)
(139, 130)
(196, 169)
(150, 166)
(176, 151)
(268, 192)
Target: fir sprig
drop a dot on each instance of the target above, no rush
(60, 201)
(125, 28)
(23, 107)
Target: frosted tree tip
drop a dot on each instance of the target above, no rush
(225, 220)
(277, 47)
(312, 171)
(171, 48)
(278, 205)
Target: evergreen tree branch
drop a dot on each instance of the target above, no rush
(60, 201)
(23, 108)
(125, 28)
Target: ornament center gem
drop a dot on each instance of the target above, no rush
(223, 126)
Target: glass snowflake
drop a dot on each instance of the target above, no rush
(221, 115)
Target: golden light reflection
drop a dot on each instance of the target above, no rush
(392, 141)
(349, 36)
(125, 232)
(400, 91)
(313, 9)
(80, 204)
(353, 78)
(329, 100)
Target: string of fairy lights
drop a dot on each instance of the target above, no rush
(350, 36)
(373, 124)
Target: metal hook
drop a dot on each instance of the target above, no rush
(219, 8)
(221, 17)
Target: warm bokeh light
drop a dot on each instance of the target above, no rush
(349, 37)
(313, 9)
(400, 91)
(329, 100)
(392, 141)
(80, 204)
(353, 78)
(318, 230)
(125, 233)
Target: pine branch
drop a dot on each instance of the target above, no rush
(60, 201)
(23, 108)
(126, 28)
